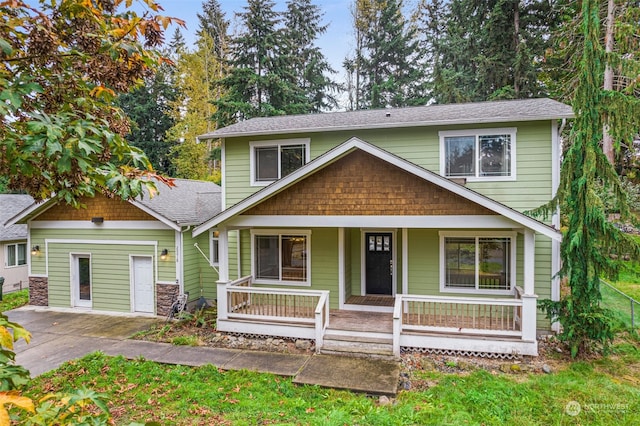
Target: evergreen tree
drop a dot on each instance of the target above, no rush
(486, 49)
(303, 64)
(254, 87)
(148, 108)
(388, 59)
(590, 238)
(213, 22)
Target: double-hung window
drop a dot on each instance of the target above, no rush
(16, 254)
(272, 160)
(281, 257)
(477, 263)
(485, 154)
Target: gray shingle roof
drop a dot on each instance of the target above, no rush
(11, 205)
(431, 115)
(190, 202)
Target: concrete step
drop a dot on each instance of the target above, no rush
(358, 338)
(381, 349)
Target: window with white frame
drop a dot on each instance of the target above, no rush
(215, 248)
(16, 254)
(281, 257)
(272, 160)
(477, 263)
(486, 154)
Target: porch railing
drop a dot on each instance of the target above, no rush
(293, 306)
(457, 315)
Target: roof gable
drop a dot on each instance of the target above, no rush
(354, 144)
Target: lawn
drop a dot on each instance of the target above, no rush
(14, 300)
(607, 391)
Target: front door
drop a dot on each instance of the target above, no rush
(142, 271)
(81, 280)
(379, 262)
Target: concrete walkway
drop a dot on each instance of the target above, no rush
(58, 337)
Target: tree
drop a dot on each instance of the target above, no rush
(388, 61)
(304, 65)
(486, 49)
(589, 238)
(63, 63)
(148, 108)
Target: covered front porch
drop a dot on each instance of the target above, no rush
(466, 324)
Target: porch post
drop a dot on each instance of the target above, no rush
(341, 268)
(223, 271)
(529, 298)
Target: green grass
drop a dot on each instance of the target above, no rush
(608, 391)
(629, 280)
(14, 300)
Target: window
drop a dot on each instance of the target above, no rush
(477, 263)
(273, 160)
(281, 257)
(16, 254)
(215, 245)
(478, 154)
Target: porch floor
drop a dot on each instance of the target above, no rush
(379, 322)
(371, 300)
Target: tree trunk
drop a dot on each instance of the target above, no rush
(607, 139)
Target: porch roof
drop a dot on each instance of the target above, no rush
(354, 144)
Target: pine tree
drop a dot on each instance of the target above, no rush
(213, 22)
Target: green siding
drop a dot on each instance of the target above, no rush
(424, 262)
(421, 146)
(199, 276)
(110, 263)
(356, 262)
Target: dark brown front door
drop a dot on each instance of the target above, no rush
(379, 262)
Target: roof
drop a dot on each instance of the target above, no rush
(430, 115)
(356, 143)
(10, 205)
(189, 202)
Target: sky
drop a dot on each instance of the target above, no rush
(335, 43)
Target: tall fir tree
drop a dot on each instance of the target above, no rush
(303, 63)
(387, 62)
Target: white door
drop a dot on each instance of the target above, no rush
(81, 280)
(142, 284)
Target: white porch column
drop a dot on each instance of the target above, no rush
(405, 261)
(341, 268)
(223, 271)
(529, 298)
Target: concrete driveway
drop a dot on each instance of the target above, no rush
(61, 336)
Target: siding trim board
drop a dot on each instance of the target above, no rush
(76, 224)
(354, 144)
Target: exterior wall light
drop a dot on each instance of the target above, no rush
(35, 250)
(163, 254)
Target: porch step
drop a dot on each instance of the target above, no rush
(358, 345)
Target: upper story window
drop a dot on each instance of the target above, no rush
(272, 160)
(16, 254)
(484, 154)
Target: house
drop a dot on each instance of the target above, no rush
(123, 256)
(13, 243)
(377, 230)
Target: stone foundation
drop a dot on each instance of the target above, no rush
(39, 291)
(165, 295)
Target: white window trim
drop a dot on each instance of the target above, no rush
(279, 233)
(477, 133)
(213, 238)
(279, 143)
(15, 251)
(478, 234)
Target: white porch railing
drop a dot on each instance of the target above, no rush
(286, 306)
(456, 316)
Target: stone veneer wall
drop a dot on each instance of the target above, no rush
(165, 295)
(39, 291)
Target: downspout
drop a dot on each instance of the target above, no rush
(180, 260)
(205, 256)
